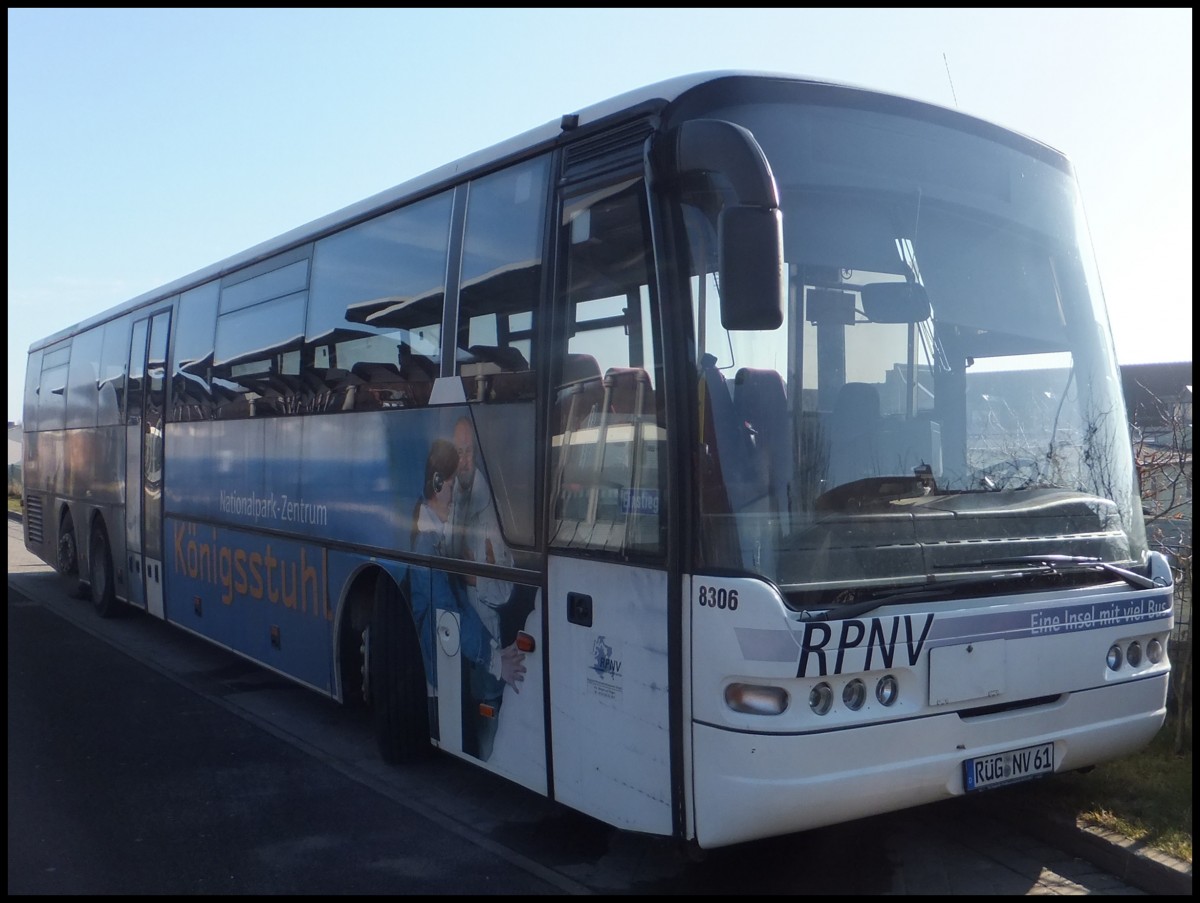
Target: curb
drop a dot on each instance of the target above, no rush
(1132, 861)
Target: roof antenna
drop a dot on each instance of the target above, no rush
(949, 79)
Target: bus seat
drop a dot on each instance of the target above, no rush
(760, 402)
(580, 367)
(416, 367)
(373, 371)
(507, 358)
(724, 439)
(505, 387)
(318, 392)
(628, 393)
(580, 393)
(382, 385)
(854, 428)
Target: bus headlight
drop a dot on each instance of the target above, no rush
(854, 694)
(887, 689)
(820, 698)
(1133, 654)
(1154, 651)
(755, 699)
(1114, 658)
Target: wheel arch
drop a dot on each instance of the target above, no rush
(95, 521)
(352, 616)
(353, 613)
(66, 522)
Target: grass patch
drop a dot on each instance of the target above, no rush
(1145, 797)
(14, 503)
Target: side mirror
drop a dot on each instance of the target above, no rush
(749, 228)
(750, 257)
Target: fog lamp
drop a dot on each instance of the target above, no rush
(820, 698)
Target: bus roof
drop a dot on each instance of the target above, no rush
(644, 99)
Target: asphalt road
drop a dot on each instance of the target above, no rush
(144, 761)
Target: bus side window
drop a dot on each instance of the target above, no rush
(501, 281)
(496, 359)
(607, 442)
(375, 311)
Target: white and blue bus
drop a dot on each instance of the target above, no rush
(741, 455)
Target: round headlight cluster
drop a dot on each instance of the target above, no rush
(1133, 654)
(854, 694)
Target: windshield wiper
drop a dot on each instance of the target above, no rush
(1019, 566)
(1069, 563)
(937, 590)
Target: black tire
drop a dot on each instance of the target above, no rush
(67, 560)
(100, 572)
(398, 695)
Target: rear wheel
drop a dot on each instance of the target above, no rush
(100, 571)
(67, 560)
(396, 678)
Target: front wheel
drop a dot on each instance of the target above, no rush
(396, 678)
(100, 570)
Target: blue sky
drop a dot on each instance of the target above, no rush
(146, 144)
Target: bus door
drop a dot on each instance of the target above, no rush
(146, 403)
(607, 586)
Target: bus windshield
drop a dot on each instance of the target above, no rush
(943, 392)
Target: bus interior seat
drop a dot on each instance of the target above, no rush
(345, 386)
(383, 385)
(318, 389)
(725, 442)
(507, 358)
(628, 393)
(580, 393)
(854, 432)
(374, 371)
(760, 403)
(416, 367)
(503, 387)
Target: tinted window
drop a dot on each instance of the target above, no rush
(501, 277)
(377, 295)
(83, 378)
(191, 384)
(608, 438)
(259, 336)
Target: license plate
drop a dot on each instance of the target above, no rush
(1008, 767)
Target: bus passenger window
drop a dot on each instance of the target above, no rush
(607, 490)
(373, 334)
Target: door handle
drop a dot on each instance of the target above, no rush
(579, 609)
